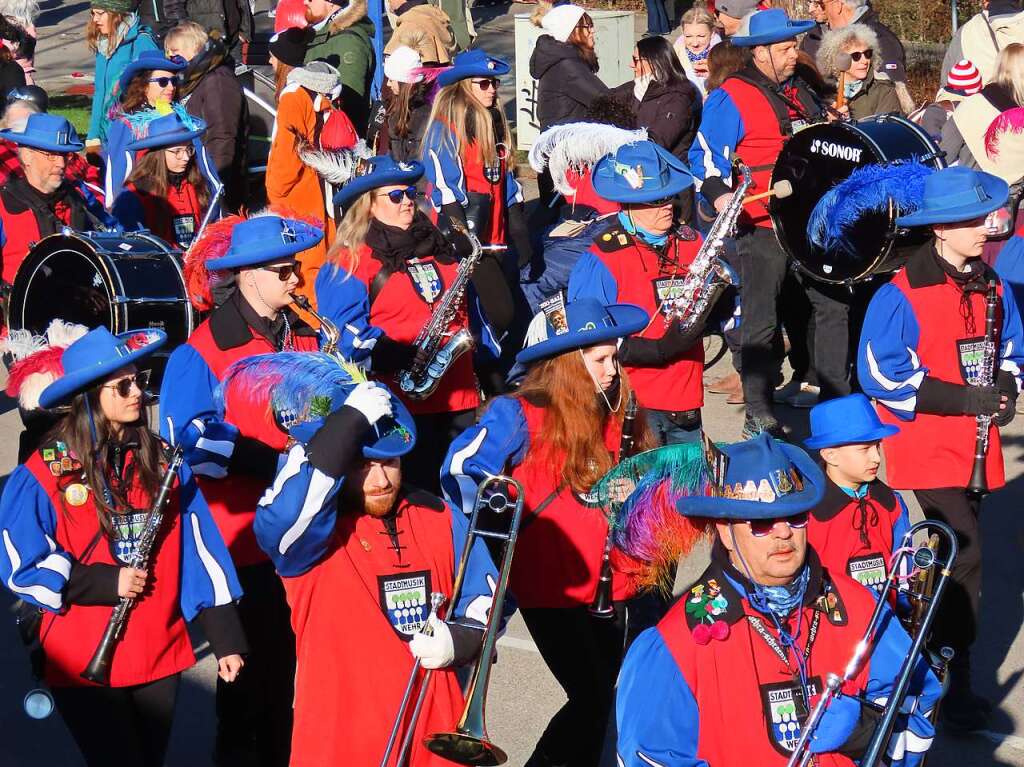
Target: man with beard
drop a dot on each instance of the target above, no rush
(360, 555)
(39, 201)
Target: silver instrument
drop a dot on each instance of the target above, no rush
(331, 334)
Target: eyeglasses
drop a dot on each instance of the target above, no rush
(182, 151)
(163, 82)
(486, 85)
(396, 195)
(284, 273)
(866, 53)
(759, 528)
(123, 386)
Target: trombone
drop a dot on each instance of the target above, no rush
(501, 498)
(925, 560)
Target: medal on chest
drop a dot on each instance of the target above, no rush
(425, 279)
(76, 494)
(405, 600)
(126, 531)
(667, 290)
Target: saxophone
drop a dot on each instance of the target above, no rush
(708, 276)
(328, 328)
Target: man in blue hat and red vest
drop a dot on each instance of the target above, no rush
(738, 662)
(643, 258)
(749, 118)
(235, 456)
(921, 356)
(360, 555)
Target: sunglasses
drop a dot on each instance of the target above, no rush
(284, 273)
(163, 82)
(396, 195)
(486, 85)
(855, 55)
(759, 528)
(123, 386)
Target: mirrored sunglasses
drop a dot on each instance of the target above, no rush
(123, 386)
(759, 528)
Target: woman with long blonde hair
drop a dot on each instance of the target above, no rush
(557, 435)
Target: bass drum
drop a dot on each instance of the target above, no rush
(819, 157)
(123, 281)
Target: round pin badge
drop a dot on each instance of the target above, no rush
(76, 494)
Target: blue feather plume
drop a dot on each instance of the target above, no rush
(867, 189)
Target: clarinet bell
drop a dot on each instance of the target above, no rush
(38, 703)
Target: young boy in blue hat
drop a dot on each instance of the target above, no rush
(860, 519)
(921, 353)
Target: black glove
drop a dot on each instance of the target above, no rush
(390, 356)
(460, 242)
(1006, 383)
(647, 352)
(519, 234)
(944, 398)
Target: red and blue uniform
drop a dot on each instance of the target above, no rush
(175, 218)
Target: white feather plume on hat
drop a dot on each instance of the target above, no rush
(37, 359)
(577, 146)
(335, 167)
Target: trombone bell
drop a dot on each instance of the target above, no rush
(461, 748)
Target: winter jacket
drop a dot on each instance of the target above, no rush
(876, 97)
(424, 28)
(407, 148)
(346, 43)
(980, 40)
(11, 76)
(109, 67)
(566, 86)
(891, 58)
(232, 18)
(670, 112)
(810, 42)
(963, 135)
(160, 15)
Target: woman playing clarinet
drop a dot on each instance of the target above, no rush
(72, 516)
(557, 435)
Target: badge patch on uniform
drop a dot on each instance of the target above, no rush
(785, 710)
(405, 599)
(666, 291)
(425, 280)
(184, 229)
(127, 529)
(76, 494)
(831, 604)
(868, 570)
(971, 354)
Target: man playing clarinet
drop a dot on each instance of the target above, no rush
(949, 379)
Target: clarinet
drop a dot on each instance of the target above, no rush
(98, 670)
(601, 606)
(978, 483)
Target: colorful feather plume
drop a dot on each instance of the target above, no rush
(1009, 122)
(37, 359)
(869, 189)
(577, 146)
(336, 167)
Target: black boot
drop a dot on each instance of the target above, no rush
(962, 710)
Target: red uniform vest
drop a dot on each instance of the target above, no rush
(477, 182)
(21, 231)
(642, 280)
(175, 217)
(934, 451)
(740, 680)
(353, 664)
(558, 553)
(233, 499)
(401, 309)
(154, 643)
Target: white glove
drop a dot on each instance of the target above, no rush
(372, 400)
(435, 651)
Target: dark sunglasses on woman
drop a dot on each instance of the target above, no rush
(163, 82)
(123, 386)
(855, 55)
(285, 272)
(759, 528)
(487, 84)
(396, 195)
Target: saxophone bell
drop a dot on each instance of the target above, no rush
(329, 330)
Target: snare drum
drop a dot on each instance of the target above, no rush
(819, 157)
(123, 281)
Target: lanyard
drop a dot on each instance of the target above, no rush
(773, 643)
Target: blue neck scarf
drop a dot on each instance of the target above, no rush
(779, 601)
(654, 240)
(860, 492)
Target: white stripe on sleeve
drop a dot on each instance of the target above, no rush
(41, 594)
(319, 486)
(219, 581)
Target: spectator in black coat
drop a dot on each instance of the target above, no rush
(210, 91)
(11, 74)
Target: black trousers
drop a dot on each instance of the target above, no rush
(120, 725)
(434, 433)
(254, 713)
(830, 345)
(956, 623)
(798, 320)
(584, 655)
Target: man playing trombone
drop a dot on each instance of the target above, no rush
(738, 662)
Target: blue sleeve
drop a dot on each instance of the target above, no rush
(295, 517)
(655, 711)
(714, 147)
(500, 440)
(208, 577)
(128, 211)
(888, 367)
(590, 277)
(481, 578)
(443, 167)
(208, 440)
(31, 564)
(902, 523)
(209, 172)
(119, 160)
(490, 343)
(513, 190)
(344, 300)
(1011, 351)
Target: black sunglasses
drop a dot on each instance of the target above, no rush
(285, 272)
(123, 386)
(163, 82)
(855, 55)
(396, 195)
(486, 85)
(759, 528)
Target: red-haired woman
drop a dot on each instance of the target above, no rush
(559, 434)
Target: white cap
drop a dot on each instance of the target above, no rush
(561, 20)
(403, 64)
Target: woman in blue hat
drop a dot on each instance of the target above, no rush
(166, 193)
(468, 155)
(921, 356)
(72, 516)
(557, 435)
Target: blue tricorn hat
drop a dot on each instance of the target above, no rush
(264, 239)
(473, 63)
(169, 130)
(765, 478)
(51, 133)
(846, 421)
(384, 171)
(95, 356)
(559, 327)
(640, 172)
(149, 61)
(767, 27)
(957, 194)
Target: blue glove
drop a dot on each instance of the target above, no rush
(208, 447)
(836, 726)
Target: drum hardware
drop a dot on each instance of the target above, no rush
(38, 703)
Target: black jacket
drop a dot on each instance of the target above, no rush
(670, 112)
(566, 86)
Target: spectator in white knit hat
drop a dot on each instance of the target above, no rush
(400, 118)
(963, 80)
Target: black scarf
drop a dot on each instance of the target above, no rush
(209, 58)
(971, 279)
(393, 246)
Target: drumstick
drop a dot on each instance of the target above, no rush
(781, 189)
(841, 93)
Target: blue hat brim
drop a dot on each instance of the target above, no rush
(254, 257)
(679, 179)
(832, 439)
(777, 35)
(797, 502)
(394, 444)
(456, 73)
(165, 140)
(362, 184)
(22, 139)
(629, 319)
(70, 384)
(995, 188)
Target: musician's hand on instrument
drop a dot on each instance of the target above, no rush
(131, 582)
(435, 651)
(983, 400)
(836, 725)
(371, 399)
(1006, 383)
(229, 666)
(721, 203)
